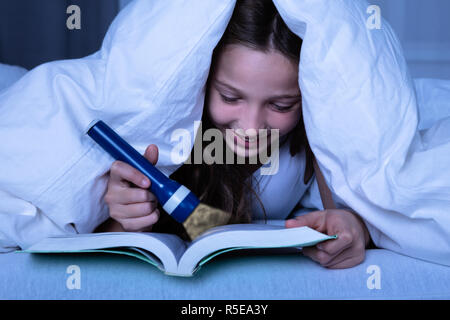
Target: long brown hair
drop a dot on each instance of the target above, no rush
(258, 25)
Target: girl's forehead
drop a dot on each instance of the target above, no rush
(243, 67)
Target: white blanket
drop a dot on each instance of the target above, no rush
(360, 112)
(10, 74)
(361, 117)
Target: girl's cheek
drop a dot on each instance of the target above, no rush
(220, 113)
(284, 122)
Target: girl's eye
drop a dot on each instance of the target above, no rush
(282, 108)
(228, 99)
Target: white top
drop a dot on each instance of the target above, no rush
(281, 191)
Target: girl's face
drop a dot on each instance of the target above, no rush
(251, 90)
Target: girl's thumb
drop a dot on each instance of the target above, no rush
(151, 154)
(296, 222)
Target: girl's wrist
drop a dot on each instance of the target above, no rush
(367, 239)
(110, 225)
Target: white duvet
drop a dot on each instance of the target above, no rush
(361, 114)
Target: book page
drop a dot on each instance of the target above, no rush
(167, 247)
(242, 236)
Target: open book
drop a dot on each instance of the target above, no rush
(174, 256)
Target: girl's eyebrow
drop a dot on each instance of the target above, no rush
(223, 84)
(281, 96)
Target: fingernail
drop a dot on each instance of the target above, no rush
(144, 182)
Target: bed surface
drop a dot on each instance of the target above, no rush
(250, 277)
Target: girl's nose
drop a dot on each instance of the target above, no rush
(251, 120)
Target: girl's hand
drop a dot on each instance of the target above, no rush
(135, 209)
(347, 250)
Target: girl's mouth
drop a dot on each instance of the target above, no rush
(248, 142)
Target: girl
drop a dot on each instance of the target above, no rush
(252, 85)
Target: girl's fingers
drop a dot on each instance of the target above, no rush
(122, 172)
(348, 262)
(126, 196)
(131, 211)
(321, 256)
(138, 224)
(333, 247)
(349, 254)
(316, 255)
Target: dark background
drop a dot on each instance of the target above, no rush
(34, 31)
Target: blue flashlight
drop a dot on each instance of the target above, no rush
(176, 199)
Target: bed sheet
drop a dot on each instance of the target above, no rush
(383, 275)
